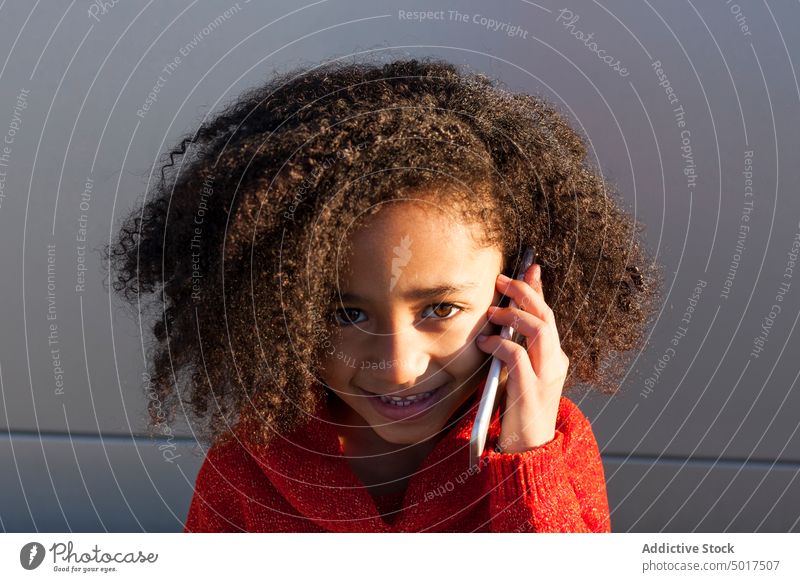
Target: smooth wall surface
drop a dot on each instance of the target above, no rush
(698, 128)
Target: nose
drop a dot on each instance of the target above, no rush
(398, 359)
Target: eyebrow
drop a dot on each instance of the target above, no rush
(421, 292)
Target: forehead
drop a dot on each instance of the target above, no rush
(408, 244)
(426, 222)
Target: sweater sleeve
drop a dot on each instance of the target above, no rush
(556, 487)
(215, 505)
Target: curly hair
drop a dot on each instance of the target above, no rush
(237, 246)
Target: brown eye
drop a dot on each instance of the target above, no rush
(444, 311)
(347, 316)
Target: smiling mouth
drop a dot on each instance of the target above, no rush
(406, 408)
(403, 401)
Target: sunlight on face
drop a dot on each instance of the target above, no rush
(407, 313)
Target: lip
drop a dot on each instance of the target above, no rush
(413, 411)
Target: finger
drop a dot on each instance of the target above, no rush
(541, 340)
(525, 323)
(533, 277)
(528, 297)
(514, 356)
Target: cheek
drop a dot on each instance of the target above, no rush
(342, 361)
(337, 366)
(458, 347)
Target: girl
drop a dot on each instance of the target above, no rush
(327, 260)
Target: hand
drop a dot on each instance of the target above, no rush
(536, 371)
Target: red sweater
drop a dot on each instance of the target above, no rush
(302, 482)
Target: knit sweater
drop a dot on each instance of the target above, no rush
(302, 482)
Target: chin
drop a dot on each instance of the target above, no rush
(404, 437)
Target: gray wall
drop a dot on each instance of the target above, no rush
(704, 435)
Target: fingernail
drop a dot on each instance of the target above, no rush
(503, 277)
(538, 273)
(482, 338)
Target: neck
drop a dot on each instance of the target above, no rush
(383, 467)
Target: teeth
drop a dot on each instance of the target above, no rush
(399, 403)
(407, 401)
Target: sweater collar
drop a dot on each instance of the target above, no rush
(308, 467)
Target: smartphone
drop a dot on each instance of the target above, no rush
(486, 406)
